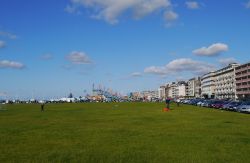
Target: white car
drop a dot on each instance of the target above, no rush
(244, 107)
(200, 103)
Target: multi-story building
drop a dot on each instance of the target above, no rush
(167, 87)
(194, 87)
(176, 90)
(225, 86)
(162, 92)
(242, 75)
(208, 85)
(135, 95)
(198, 88)
(181, 89)
(171, 90)
(149, 95)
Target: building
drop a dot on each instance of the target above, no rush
(170, 90)
(225, 87)
(149, 95)
(176, 90)
(198, 87)
(194, 87)
(167, 90)
(181, 89)
(162, 92)
(208, 85)
(135, 95)
(242, 75)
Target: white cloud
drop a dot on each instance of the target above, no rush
(227, 61)
(111, 10)
(149, 6)
(248, 5)
(2, 44)
(8, 35)
(192, 5)
(78, 58)
(170, 18)
(181, 65)
(11, 64)
(136, 74)
(212, 50)
(46, 56)
(170, 15)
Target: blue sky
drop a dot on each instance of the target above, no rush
(50, 48)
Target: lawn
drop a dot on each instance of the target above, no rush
(122, 132)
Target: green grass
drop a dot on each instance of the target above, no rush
(122, 132)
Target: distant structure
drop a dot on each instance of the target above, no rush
(208, 85)
(230, 82)
(176, 90)
(146, 96)
(162, 92)
(102, 94)
(225, 85)
(243, 81)
(220, 84)
(194, 87)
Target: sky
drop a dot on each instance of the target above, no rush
(50, 48)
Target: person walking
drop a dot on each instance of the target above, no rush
(167, 103)
(42, 107)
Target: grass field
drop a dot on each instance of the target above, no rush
(122, 132)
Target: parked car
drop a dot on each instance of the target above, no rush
(186, 101)
(193, 102)
(215, 103)
(244, 107)
(207, 103)
(220, 104)
(200, 102)
(232, 106)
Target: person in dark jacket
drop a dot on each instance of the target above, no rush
(42, 107)
(168, 102)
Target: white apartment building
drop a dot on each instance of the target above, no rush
(167, 87)
(162, 92)
(149, 95)
(225, 85)
(171, 90)
(198, 88)
(181, 89)
(208, 85)
(191, 87)
(194, 87)
(175, 90)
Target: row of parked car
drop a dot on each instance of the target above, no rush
(237, 106)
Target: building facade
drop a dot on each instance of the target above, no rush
(225, 86)
(149, 95)
(198, 88)
(194, 87)
(162, 92)
(181, 89)
(208, 85)
(242, 75)
(171, 90)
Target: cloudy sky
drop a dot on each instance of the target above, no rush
(50, 48)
